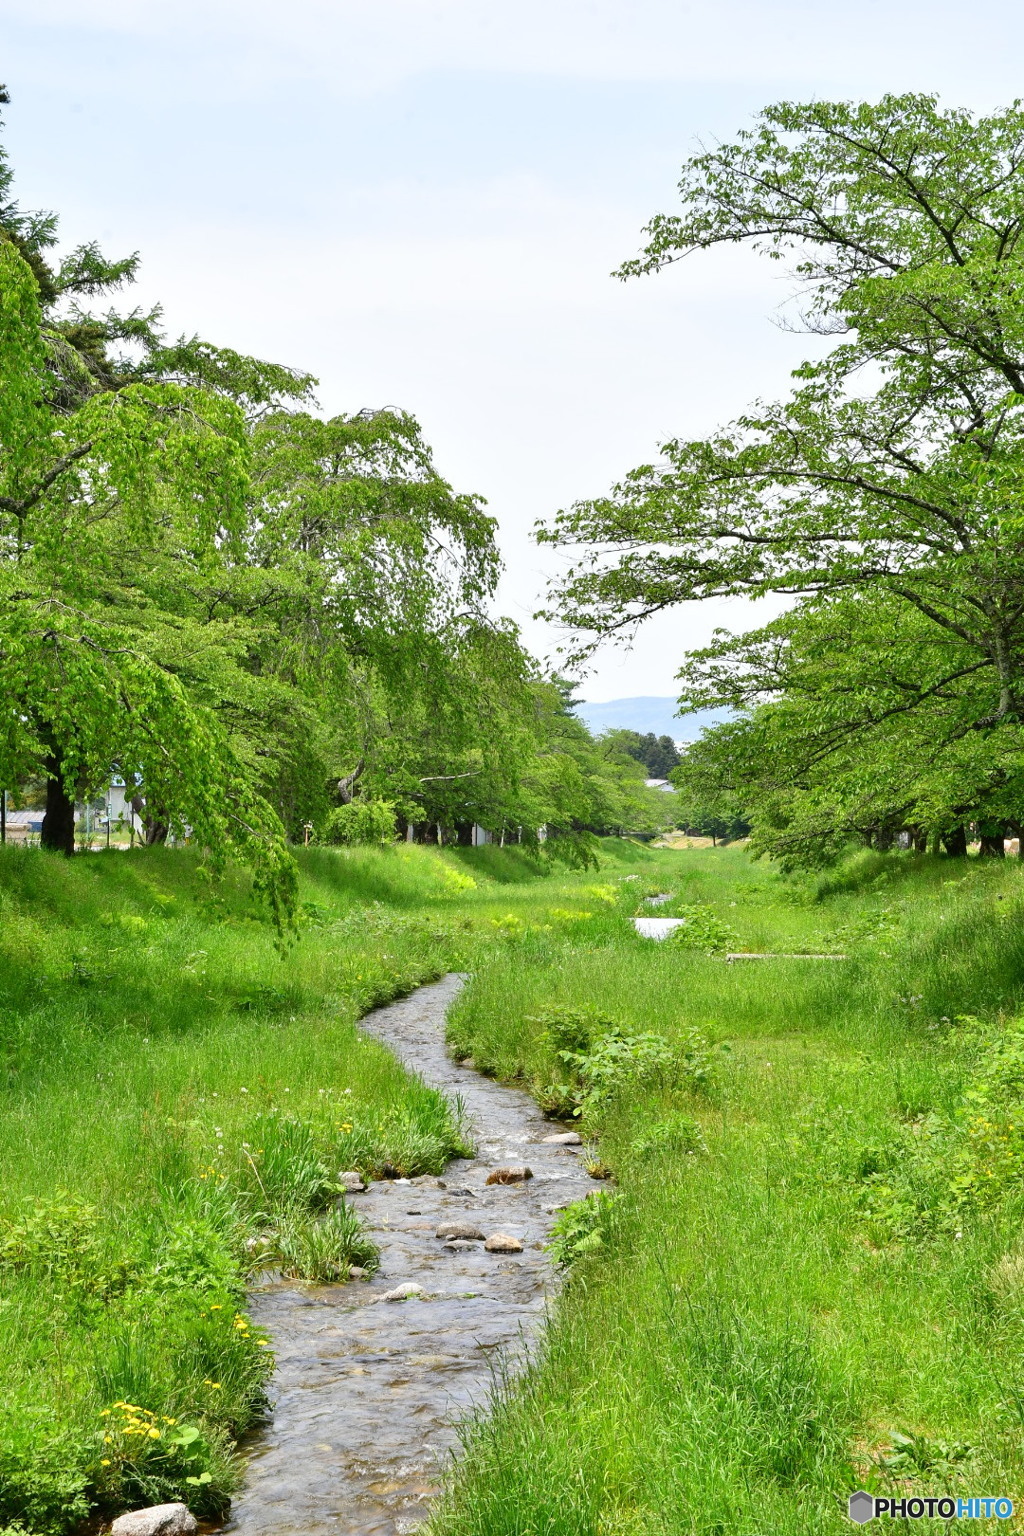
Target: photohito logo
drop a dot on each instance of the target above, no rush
(864, 1507)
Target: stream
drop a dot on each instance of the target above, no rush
(367, 1392)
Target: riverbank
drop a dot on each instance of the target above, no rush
(179, 1099)
(811, 1277)
(804, 1276)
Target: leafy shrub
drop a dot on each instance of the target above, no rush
(365, 822)
(58, 1239)
(612, 1064)
(703, 930)
(585, 1227)
(572, 1029)
(43, 1481)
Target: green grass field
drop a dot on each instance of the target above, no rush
(806, 1275)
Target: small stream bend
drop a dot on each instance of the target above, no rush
(367, 1392)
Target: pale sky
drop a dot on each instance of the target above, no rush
(421, 202)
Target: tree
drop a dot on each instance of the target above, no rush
(894, 471)
(657, 753)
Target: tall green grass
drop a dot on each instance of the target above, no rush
(816, 1287)
(809, 1275)
(178, 1101)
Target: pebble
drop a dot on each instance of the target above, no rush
(509, 1175)
(157, 1520)
(357, 1272)
(460, 1245)
(352, 1180)
(564, 1139)
(469, 1062)
(501, 1242)
(403, 1292)
(464, 1229)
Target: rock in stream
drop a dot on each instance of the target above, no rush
(367, 1391)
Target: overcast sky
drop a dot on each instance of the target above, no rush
(421, 201)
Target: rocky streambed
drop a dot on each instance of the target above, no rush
(368, 1390)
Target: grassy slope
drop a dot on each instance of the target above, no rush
(841, 1267)
(172, 1088)
(763, 1316)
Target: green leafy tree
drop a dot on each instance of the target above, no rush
(895, 469)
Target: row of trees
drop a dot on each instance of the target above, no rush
(253, 614)
(882, 498)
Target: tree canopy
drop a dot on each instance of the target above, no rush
(251, 613)
(883, 494)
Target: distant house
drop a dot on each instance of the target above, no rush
(662, 784)
(21, 825)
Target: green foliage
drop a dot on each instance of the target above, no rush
(679, 1132)
(368, 822)
(608, 1067)
(322, 1250)
(132, 1219)
(702, 929)
(584, 1227)
(881, 496)
(956, 1155)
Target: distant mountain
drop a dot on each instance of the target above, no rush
(649, 714)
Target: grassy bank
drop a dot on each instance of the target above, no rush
(810, 1276)
(806, 1276)
(178, 1100)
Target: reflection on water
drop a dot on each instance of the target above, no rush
(367, 1391)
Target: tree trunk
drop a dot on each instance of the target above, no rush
(464, 834)
(154, 829)
(58, 832)
(992, 837)
(955, 842)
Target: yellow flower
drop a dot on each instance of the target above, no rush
(154, 1434)
(216, 1307)
(104, 1461)
(108, 1439)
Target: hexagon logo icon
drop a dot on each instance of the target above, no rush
(861, 1507)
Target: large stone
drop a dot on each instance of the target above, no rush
(352, 1180)
(158, 1520)
(465, 1229)
(501, 1242)
(509, 1175)
(564, 1139)
(403, 1292)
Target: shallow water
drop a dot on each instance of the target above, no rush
(367, 1392)
(657, 927)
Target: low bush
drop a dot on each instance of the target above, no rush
(368, 823)
(703, 930)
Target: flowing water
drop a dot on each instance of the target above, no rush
(367, 1392)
